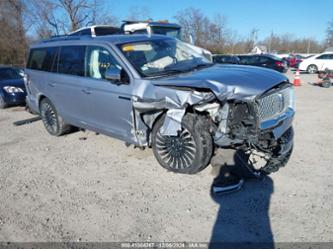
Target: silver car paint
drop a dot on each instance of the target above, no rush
(128, 111)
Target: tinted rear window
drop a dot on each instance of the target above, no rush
(106, 31)
(42, 58)
(71, 60)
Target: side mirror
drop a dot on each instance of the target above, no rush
(113, 74)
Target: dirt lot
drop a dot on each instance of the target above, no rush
(88, 187)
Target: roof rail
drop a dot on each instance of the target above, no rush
(66, 38)
(137, 21)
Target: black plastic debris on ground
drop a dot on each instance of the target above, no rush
(26, 121)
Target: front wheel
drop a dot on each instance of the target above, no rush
(189, 152)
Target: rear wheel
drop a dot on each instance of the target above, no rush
(189, 152)
(312, 69)
(53, 123)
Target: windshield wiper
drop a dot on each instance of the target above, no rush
(168, 72)
(203, 65)
(172, 71)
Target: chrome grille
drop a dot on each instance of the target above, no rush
(273, 105)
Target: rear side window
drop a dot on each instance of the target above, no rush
(323, 57)
(264, 59)
(42, 58)
(248, 60)
(71, 60)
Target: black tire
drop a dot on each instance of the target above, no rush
(53, 122)
(312, 69)
(2, 103)
(189, 152)
(326, 83)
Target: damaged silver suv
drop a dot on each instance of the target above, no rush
(154, 91)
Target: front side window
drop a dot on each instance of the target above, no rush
(98, 61)
(162, 57)
(71, 60)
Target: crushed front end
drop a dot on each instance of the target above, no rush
(262, 126)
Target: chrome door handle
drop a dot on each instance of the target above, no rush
(86, 91)
(52, 84)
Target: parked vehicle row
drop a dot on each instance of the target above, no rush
(264, 60)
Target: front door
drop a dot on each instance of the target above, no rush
(108, 104)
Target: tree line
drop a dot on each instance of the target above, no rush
(23, 22)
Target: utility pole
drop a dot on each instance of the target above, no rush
(309, 46)
(270, 42)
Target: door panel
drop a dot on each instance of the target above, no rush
(108, 107)
(66, 84)
(108, 104)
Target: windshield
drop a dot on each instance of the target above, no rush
(171, 32)
(162, 57)
(9, 74)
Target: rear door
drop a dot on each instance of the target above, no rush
(66, 84)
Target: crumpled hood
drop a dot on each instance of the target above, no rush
(226, 81)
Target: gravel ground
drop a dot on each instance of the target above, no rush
(88, 187)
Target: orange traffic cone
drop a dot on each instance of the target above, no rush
(297, 79)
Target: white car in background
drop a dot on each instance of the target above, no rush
(317, 63)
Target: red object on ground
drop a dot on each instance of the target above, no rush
(297, 79)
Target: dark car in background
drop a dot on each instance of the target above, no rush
(12, 89)
(225, 59)
(264, 60)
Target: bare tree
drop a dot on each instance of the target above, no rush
(13, 42)
(54, 17)
(194, 23)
